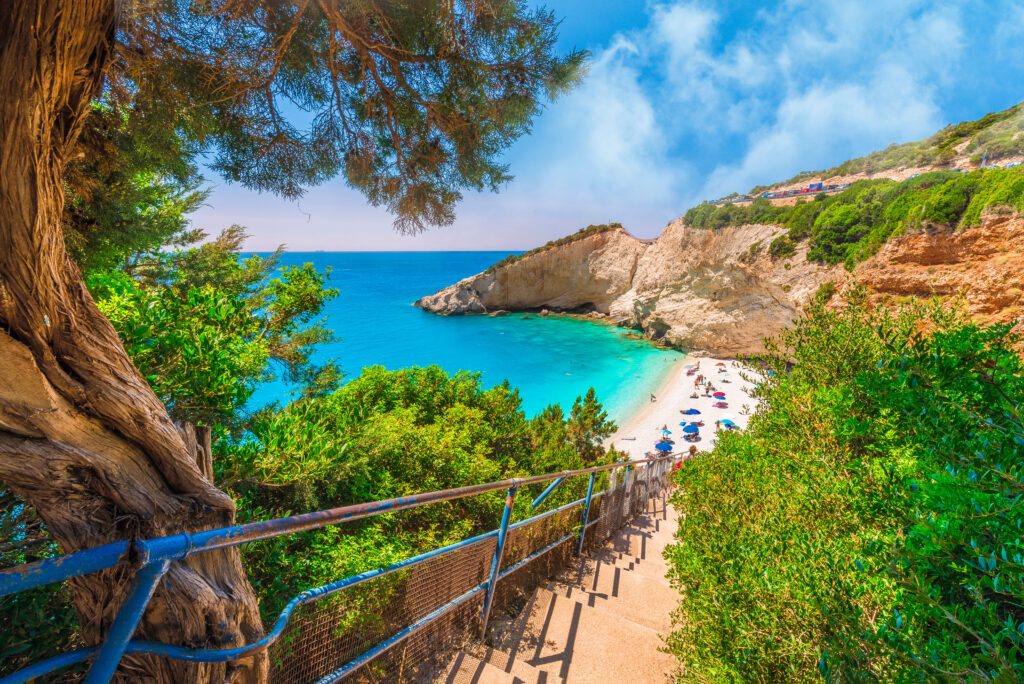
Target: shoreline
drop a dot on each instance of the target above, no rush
(638, 434)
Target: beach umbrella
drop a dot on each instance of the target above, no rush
(719, 395)
(691, 429)
(663, 446)
(727, 423)
(691, 412)
(719, 364)
(666, 431)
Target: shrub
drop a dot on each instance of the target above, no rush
(782, 246)
(866, 525)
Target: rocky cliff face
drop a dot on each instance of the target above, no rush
(715, 291)
(983, 266)
(719, 292)
(586, 274)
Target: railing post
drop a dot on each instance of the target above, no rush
(125, 622)
(499, 551)
(586, 514)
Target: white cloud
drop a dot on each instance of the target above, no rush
(824, 125)
(706, 99)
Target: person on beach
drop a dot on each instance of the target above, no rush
(653, 398)
(693, 450)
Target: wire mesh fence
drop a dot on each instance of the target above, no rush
(331, 632)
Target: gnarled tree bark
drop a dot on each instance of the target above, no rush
(83, 438)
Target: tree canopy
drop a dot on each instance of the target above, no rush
(412, 101)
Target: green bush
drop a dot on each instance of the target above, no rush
(866, 526)
(782, 246)
(387, 434)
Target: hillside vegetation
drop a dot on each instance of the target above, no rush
(850, 226)
(592, 229)
(995, 135)
(866, 526)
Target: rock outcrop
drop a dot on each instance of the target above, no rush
(982, 265)
(586, 274)
(719, 291)
(715, 291)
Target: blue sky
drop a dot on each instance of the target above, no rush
(686, 101)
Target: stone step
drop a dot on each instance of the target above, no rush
(645, 538)
(646, 600)
(653, 567)
(468, 669)
(572, 641)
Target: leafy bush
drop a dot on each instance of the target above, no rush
(387, 434)
(866, 526)
(205, 326)
(782, 246)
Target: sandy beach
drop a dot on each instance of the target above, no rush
(641, 431)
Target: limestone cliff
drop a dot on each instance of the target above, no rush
(584, 274)
(719, 292)
(715, 291)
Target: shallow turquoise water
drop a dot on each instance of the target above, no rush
(548, 359)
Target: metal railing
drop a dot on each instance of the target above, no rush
(153, 557)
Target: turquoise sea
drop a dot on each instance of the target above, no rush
(549, 359)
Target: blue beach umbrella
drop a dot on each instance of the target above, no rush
(663, 446)
(666, 431)
(727, 423)
(691, 429)
(691, 412)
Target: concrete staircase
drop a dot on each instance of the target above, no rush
(603, 622)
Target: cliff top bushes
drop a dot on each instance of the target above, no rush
(593, 229)
(866, 526)
(850, 226)
(995, 135)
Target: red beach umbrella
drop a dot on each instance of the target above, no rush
(719, 364)
(719, 395)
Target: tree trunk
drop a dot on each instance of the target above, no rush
(83, 438)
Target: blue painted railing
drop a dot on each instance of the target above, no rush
(153, 557)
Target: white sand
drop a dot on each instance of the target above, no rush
(638, 435)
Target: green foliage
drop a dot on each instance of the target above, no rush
(850, 226)
(205, 327)
(128, 189)
(593, 229)
(866, 525)
(782, 247)
(40, 612)
(411, 102)
(995, 135)
(387, 434)
(589, 427)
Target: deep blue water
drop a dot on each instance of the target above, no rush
(549, 359)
